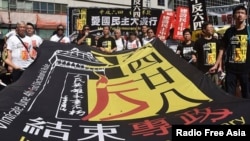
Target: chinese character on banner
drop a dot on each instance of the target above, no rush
(198, 14)
(182, 22)
(164, 24)
(136, 8)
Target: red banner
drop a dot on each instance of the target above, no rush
(166, 19)
(182, 22)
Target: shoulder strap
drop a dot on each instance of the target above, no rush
(137, 44)
(23, 43)
(60, 38)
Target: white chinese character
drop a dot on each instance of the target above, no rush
(34, 128)
(100, 132)
(115, 21)
(125, 21)
(95, 21)
(105, 20)
(152, 21)
(144, 21)
(134, 21)
(57, 130)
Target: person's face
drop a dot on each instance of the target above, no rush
(187, 36)
(21, 30)
(150, 33)
(60, 30)
(29, 30)
(209, 30)
(144, 29)
(86, 29)
(240, 15)
(106, 31)
(117, 34)
(132, 37)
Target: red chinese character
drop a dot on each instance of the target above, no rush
(200, 115)
(151, 127)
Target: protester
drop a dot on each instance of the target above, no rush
(150, 36)
(60, 36)
(119, 40)
(106, 43)
(207, 49)
(171, 42)
(186, 48)
(143, 33)
(19, 49)
(236, 49)
(133, 42)
(36, 40)
(85, 37)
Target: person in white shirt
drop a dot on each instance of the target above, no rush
(19, 51)
(150, 36)
(133, 42)
(36, 40)
(119, 40)
(59, 36)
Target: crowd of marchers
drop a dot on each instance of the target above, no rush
(225, 60)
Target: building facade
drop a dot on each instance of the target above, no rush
(172, 4)
(47, 14)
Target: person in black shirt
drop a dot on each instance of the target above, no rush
(106, 43)
(186, 48)
(86, 37)
(207, 49)
(236, 48)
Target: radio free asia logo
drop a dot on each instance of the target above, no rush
(210, 133)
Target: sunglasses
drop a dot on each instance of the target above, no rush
(60, 29)
(86, 29)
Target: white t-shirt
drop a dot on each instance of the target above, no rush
(147, 40)
(55, 38)
(11, 33)
(20, 55)
(120, 44)
(134, 44)
(36, 40)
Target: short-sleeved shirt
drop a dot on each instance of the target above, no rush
(237, 50)
(89, 40)
(56, 38)
(107, 43)
(207, 52)
(20, 55)
(186, 50)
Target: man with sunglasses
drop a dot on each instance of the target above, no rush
(59, 36)
(86, 38)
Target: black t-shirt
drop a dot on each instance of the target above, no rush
(207, 53)
(89, 40)
(186, 50)
(237, 48)
(107, 43)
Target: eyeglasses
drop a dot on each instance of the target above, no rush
(86, 29)
(150, 32)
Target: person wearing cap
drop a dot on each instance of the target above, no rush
(36, 40)
(60, 36)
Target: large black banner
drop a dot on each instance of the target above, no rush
(77, 93)
(96, 18)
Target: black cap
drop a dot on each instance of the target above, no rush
(30, 24)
